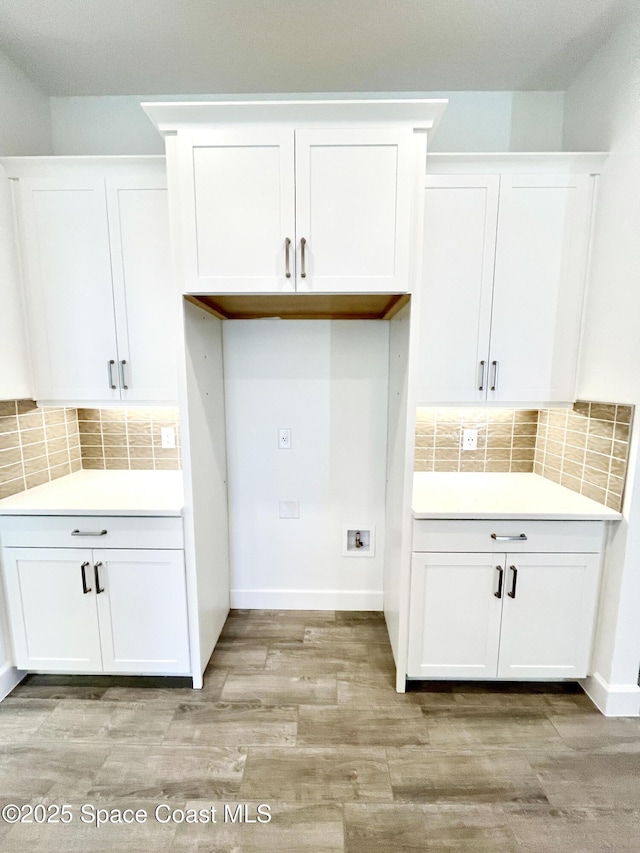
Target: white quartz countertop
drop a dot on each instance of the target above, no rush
(102, 493)
(452, 495)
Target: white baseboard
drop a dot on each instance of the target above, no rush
(9, 678)
(302, 599)
(613, 700)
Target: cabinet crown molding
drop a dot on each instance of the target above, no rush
(514, 162)
(420, 113)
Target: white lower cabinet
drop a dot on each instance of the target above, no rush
(513, 615)
(88, 610)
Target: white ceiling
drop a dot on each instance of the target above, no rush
(154, 47)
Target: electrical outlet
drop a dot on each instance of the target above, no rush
(284, 439)
(167, 437)
(470, 439)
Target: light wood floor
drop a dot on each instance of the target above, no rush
(298, 712)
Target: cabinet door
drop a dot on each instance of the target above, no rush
(541, 255)
(147, 303)
(547, 627)
(68, 286)
(460, 219)
(54, 622)
(143, 611)
(454, 621)
(237, 211)
(353, 209)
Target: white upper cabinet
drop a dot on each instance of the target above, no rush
(146, 305)
(504, 269)
(353, 206)
(238, 203)
(539, 278)
(460, 221)
(98, 283)
(276, 210)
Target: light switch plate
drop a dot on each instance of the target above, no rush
(289, 509)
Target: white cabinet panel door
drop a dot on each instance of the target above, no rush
(238, 211)
(541, 255)
(460, 219)
(54, 624)
(353, 207)
(147, 303)
(69, 297)
(454, 616)
(547, 628)
(143, 611)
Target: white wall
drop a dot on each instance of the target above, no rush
(603, 112)
(25, 123)
(326, 381)
(473, 121)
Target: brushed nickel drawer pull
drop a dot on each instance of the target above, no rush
(88, 532)
(521, 537)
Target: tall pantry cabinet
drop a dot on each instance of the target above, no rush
(278, 208)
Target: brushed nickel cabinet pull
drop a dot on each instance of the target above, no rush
(77, 532)
(110, 381)
(483, 365)
(494, 384)
(514, 581)
(123, 381)
(85, 588)
(521, 537)
(96, 567)
(287, 251)
(303, 269)
(498, 594)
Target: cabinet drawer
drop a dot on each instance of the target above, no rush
(541, 536)
(58, 531)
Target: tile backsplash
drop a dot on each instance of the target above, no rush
(586, 449)
(128, 438)
(36, 445)
(506, 440)
(41, 444)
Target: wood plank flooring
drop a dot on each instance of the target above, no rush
(299, 712)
